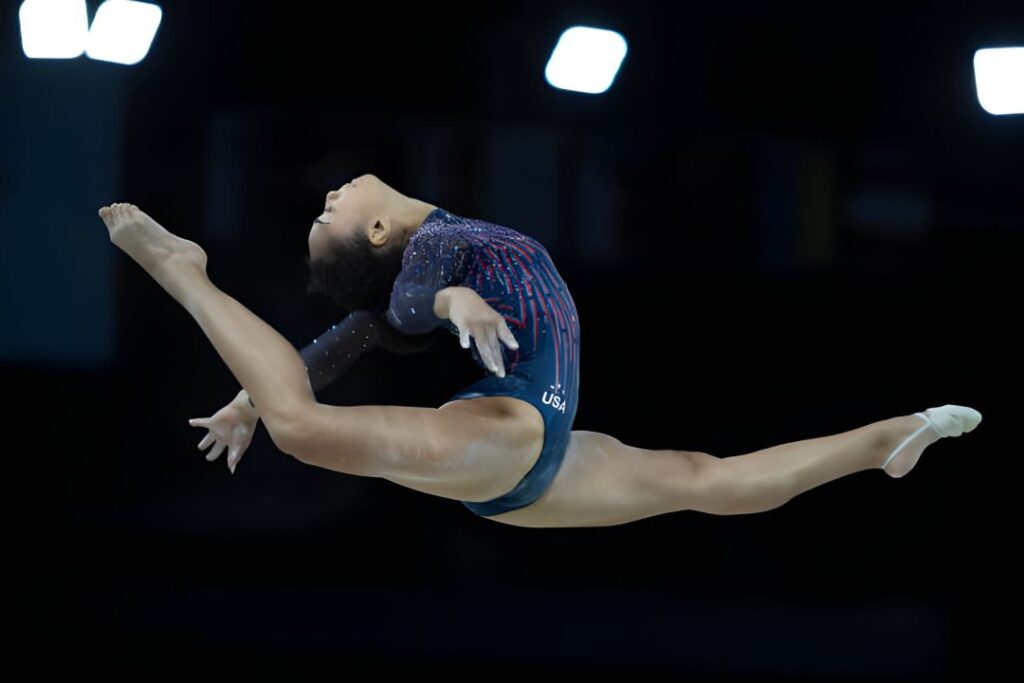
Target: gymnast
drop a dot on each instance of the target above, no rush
(407, 272)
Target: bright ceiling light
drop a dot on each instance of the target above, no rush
(54, 29)
(999, 78)
(585, 59)
(123, 31)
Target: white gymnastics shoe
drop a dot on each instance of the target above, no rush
(940, 422)
(950, 420)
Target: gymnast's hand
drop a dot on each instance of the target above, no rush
(230, 427)
(475, 317)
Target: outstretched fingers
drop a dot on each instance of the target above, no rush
(488, 340)
(508, 337)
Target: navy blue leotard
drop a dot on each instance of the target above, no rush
(515, 274)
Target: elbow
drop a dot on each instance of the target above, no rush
(413, 321)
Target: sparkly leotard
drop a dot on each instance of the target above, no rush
(515, 274)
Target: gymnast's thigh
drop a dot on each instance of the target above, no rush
(603, 482)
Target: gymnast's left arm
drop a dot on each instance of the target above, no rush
(428, 292)
(473, 316)
(433, 263)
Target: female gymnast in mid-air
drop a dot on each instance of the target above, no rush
(504, 445)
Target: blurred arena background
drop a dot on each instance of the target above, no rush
(778, 221)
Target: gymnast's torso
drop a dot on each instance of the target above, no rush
(511, 271)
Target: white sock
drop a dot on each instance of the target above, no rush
(938, 423)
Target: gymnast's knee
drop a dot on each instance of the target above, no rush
(288, 428)
(705, 483)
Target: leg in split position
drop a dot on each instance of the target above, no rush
(604, 482)
(266, 365)
(448, 453)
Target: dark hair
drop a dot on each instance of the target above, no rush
(370, 276)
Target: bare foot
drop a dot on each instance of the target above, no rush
(162, 254)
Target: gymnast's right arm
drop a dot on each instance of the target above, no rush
(330, 355)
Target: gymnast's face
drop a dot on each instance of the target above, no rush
(353, 210)
(355, 248)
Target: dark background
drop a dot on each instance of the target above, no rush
(782, 221)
